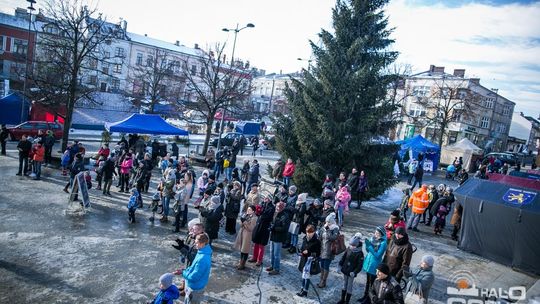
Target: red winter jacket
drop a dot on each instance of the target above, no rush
(39, 153)
(289, 170)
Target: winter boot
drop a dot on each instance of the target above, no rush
(241, 265)
(324, 276)
(343, 294)
(348, 298)
(302, 293)
(292, 249)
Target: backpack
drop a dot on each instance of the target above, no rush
(338, 245)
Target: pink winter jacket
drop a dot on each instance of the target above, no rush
(343, 197)
(126, 166)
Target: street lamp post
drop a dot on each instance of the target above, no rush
(236, 31)
(307, 60)
(30, 10)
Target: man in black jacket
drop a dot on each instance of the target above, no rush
(4, 133)
(108, 172)
(279, 229)
(24, 148)
(385, 289)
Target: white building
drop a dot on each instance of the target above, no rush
(477, 113)
(268, 94)
(524, 134)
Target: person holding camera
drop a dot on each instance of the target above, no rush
(187, 247)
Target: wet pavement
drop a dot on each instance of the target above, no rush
(50, 256)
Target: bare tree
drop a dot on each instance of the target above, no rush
(70, 44)
(216, 86)
(396, 95)
(159, 79)
(450, 100)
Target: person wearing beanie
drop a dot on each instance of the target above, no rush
(299, 213)
(188, 248)
(420, 280)
(313, 214)
(210, 215)
(375, 249)
(394, 222)
(168, 292)
(386, 288)
(327, 209)
(132, 204)
(328, 233)
(399, 253)
(261, 233)
(278, 229)
(350, 265)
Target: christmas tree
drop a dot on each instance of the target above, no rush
(339, 111)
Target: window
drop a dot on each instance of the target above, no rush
(116, 84)
(139, 58)
(193, 70)
(150, 61)
(105, 68)
(93, 63)
(416, 110)
(501, 128)
(119, 52)
(93, 79)
(107, 55)
(2, 42)
(488, 102)
(203, 71)
(506, 110)
(19, 46)
(117, 68)
(484, 122)
(421, 91)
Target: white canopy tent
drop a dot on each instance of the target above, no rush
(463, 148)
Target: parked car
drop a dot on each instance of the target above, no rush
(508, 158)
(227, 139)
(31, 128)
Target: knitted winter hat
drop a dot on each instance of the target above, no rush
(429, 260)
(383, 268)
(331, 218)
(292, 189)
(381, 230)
(302, 198)
(356, 241)
(166, 280)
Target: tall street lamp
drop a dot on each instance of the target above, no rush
(236, 31)
(307, 60)
(30, 10)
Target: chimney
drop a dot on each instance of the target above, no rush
(459, 73)
(196, 46)
(475, 80)
(177, 43)
(145, 35)
(438, 70)
(432, 68)
(124, 25)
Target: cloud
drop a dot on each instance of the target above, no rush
(497, 41)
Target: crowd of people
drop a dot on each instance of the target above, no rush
(33, 152)
(286, 220)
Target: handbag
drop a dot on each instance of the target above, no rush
(294, 228)
(226, 163)
(315, 267)
(338, 245)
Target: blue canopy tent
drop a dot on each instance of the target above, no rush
(420, 145)
(145, 124)
(10, 109)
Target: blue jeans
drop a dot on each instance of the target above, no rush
(37, 169)
(228, 172)
(166, 202)
(325, 264)
(413, 220)
(218, 168)
(286, 180)
(276, 255)
(340, 215)
(305, 284)
(294, 239)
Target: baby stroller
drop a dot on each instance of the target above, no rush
(451, 172)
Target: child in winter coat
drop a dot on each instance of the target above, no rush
(168, 291)
(132, 204)
(343, 197)
(156, 198)
(65, 162)
(350, 265)
(375, 249)
(440, 218)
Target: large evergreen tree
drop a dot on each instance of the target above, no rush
(340, 106)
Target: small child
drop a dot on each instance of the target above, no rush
(65, 162)
(154, 206)
(100, 164)
(168, 291)
(132, 204)
(440, 220)
(350, 265)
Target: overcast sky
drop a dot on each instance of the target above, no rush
(495, 40)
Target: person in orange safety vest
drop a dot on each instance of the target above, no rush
(419, 201)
